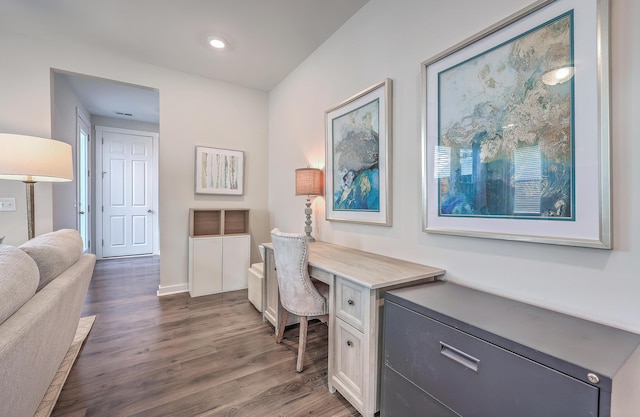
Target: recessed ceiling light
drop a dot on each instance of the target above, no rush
(216, 42)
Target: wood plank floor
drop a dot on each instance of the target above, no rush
(183, 356)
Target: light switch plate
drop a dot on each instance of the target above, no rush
(8, 204)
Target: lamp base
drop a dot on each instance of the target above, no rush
(307, 228)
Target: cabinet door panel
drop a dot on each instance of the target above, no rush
(235, 262)
(205, 275)
(348, 348)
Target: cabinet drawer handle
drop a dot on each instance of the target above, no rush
(460, 357)
(349, 343)
(350, 302)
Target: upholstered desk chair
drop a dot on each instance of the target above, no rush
(299, 295)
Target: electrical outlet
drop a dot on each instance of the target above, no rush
(8, 204)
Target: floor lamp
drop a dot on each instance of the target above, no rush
(31, 159)
(309, 182)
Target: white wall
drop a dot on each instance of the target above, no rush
(390, 39)
(193, 111)
(65, 107)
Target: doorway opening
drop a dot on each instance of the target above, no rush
(80, 103)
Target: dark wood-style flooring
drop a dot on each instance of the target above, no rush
(183, 356)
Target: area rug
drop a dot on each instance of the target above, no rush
(52, 394)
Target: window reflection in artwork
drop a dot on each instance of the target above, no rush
(508, 135)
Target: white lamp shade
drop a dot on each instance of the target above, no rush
(33, 159)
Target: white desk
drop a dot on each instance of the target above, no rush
(357, 283)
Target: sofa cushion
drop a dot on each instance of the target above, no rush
(54, 252)
(18, 280)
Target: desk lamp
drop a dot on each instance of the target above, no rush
(309, 182)
(31, 159)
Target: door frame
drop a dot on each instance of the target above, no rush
(98, 183)
(82, 119)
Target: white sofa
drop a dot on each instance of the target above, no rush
(43, 284)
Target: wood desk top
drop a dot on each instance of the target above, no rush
(369, 269)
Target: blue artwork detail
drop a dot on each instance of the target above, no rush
(356, 148)
(359, 191)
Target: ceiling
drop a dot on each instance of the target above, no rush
(268, 38)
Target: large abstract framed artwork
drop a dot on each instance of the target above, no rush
(219, 171)
(358, 157)
(516, 129)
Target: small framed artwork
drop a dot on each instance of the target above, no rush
(219, 171)
(515, 129)
(358, 157)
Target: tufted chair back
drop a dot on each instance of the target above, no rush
(298, 294)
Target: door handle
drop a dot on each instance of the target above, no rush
(149, 211)
(81, 212)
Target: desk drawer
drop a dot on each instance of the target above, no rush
(348, 363)
(321, 275)
(351, 302)
(407, 400)
(476, 378)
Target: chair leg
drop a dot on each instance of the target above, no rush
(302, 343)
(282, 325)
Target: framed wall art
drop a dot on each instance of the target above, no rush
(515, 129)
(358, 157)
(219, 171)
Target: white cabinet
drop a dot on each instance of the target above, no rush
(219, 250)
(218, 264)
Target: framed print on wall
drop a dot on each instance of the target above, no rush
(515, 129)
(358, 157)
(219, 171)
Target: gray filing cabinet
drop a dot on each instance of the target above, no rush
(454, 351)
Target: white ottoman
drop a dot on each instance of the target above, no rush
(255, 278)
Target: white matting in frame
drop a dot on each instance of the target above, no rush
(509, 152)
(358, 157)
(219, 171)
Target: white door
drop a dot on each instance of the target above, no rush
(127, 175)
(83, 165)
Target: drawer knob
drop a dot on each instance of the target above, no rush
(593, 378)
(350, 302)
(349, 343)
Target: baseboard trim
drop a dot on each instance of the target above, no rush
(172, 289)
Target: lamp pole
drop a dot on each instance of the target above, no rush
(307, 228)
(31, 229)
